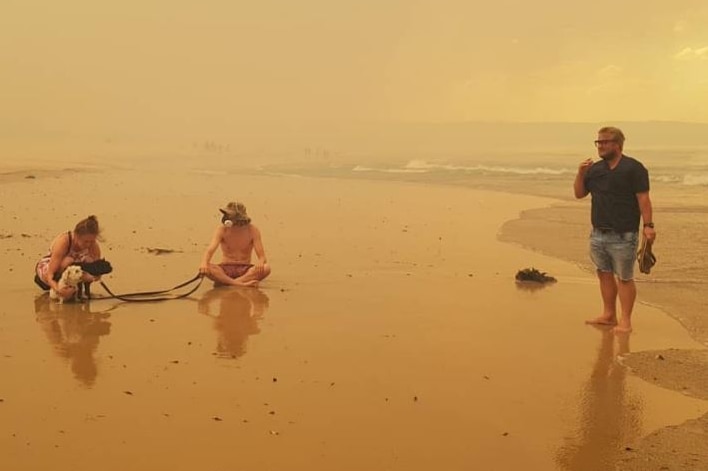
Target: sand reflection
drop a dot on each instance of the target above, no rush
(74, 330)
(609, 417)
(236, 318)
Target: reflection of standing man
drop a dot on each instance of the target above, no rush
(240, 310)
(619, 186)
(609, 415)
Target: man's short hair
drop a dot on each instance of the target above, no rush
(616, 133)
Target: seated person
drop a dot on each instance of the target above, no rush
(238, 238)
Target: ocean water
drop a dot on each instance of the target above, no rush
(679, 175)
(673, 166)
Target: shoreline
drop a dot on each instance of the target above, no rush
(571, 217)
(674, 369)
(529, 231)
(671, 286)
(661, 292)
(518, 231)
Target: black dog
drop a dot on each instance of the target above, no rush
(95, 268)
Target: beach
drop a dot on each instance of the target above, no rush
(405, 163)
(391, 334)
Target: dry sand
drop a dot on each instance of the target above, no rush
(391, 335)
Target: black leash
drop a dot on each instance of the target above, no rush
(131, 297)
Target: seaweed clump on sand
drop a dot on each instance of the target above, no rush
(534, 275)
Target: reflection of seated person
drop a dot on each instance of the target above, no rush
(238, 316)
(74, 331)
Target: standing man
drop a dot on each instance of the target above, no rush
(238, 239)
(619, 186)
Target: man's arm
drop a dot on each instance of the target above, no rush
(204, 303)
(258, 245)
(213, 245)
(58, 249)
(579, 184)
(647, 214)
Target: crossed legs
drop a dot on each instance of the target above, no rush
(250, 278)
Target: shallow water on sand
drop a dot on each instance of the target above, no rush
(679, 182)
(390, 336)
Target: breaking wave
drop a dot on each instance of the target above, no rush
(695, 180)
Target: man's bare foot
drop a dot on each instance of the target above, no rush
(602, 320)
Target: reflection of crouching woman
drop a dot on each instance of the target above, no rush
(79, 245)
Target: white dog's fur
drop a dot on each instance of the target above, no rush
(71, 277)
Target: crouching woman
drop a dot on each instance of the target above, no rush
(77, 246)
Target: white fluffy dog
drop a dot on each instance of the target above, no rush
(71, 277)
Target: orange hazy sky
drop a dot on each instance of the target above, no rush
(82, 66)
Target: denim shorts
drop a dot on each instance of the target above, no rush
(614, 252)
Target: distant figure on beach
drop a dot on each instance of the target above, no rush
(77, 246)
(238, 238)
(619, 186)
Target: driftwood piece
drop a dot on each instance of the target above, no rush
(160, 251)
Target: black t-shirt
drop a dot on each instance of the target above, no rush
(614, 193)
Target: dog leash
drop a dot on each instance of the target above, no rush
(131, 297)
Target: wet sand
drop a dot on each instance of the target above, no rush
(391, 335)
(677, 285)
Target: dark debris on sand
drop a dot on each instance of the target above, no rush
(161, 251)
(532, 274)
